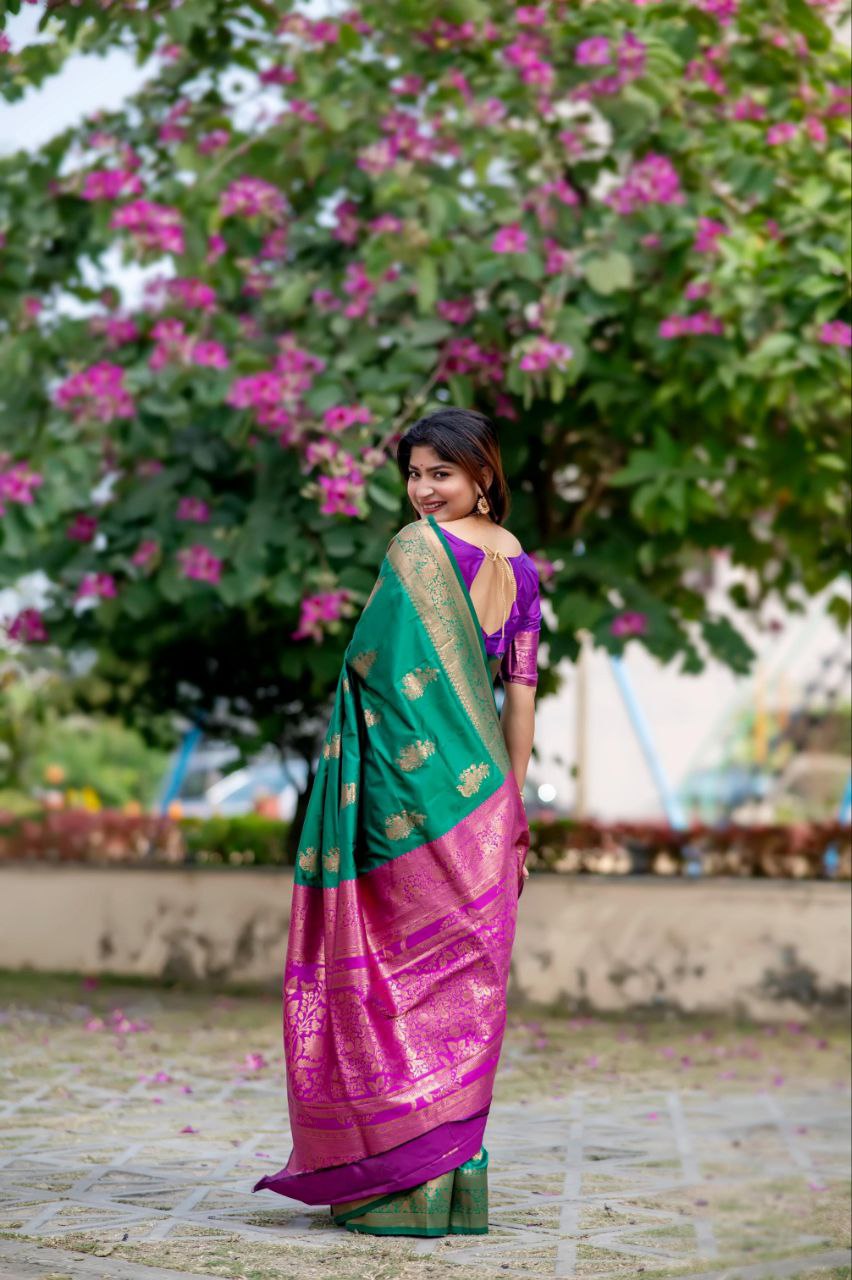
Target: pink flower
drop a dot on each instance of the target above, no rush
(836, 333)
(5, 43)
(510, 239)
(629, 624)
(348, 223)
(100, 586)
(504, 407)
(748, 109)
(275, 244)
(96, 394)
(117, 330)
(652, 180)
(154, 227)
(173, 344)
(320, 451)
(255, 1062)
(340, 417)
(544, 354)
(407, 86)
(708, 234)
(325, 300)
(386, 224)
(463, 355)
(211, 355)
(27, 627)
(172, 130)
(195, 295)
(213, 141)
(701, 323)
(279, 75)
(252, 198)
(456, 312)
(527, 15)
(216, 246)
(145, 553)
(360, 288)
(540, 200)
(594, 52)
(815, 129)
(782, 132)
(110, 184)
(194, 509)
(17, 482)
(82, 528)
(557, 259)
(339, 494)
(317, 611)
(723, 10)
(199, 563)
(378, 157)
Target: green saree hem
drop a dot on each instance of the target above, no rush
(456, 1203)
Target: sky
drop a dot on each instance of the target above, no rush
(84, 84)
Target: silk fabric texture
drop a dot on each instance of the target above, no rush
(405, 897)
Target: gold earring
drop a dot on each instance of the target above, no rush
(482, 505)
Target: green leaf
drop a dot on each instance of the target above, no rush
(285, 589)
(803, 18)
(334, 114)
(427, 285)
(610, 273)
(388, 501)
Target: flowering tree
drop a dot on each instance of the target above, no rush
(618, 227)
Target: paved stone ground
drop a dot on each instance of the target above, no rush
(135, 1120)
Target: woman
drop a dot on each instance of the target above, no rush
(411, 861)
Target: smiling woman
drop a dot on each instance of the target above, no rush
(411, 861)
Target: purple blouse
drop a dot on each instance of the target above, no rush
(518, 640)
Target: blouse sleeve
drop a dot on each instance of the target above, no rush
(520, 661)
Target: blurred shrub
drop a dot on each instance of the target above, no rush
(795, 851)
(242, 841)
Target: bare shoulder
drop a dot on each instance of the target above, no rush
(484, 533)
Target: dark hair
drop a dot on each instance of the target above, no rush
(468, 439)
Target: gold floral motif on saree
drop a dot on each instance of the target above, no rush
(308, 860)
(472, 778)
(371, 717)
(331, 749)
(399, 825)
(414, 682)
(416, 753)
(348, 794)
(362, 662)
(331, 860)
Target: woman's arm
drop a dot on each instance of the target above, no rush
(518, 721)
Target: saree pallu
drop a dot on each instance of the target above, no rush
(404, 906)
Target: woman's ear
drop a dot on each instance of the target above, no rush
(487, 477)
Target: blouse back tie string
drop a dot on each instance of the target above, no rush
(496, 563)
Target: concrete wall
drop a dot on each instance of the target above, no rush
(763, 948)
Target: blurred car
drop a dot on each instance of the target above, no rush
(210, 787)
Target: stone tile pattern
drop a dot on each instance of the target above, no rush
(585, 1185)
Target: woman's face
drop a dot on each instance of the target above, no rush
(438, 488)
